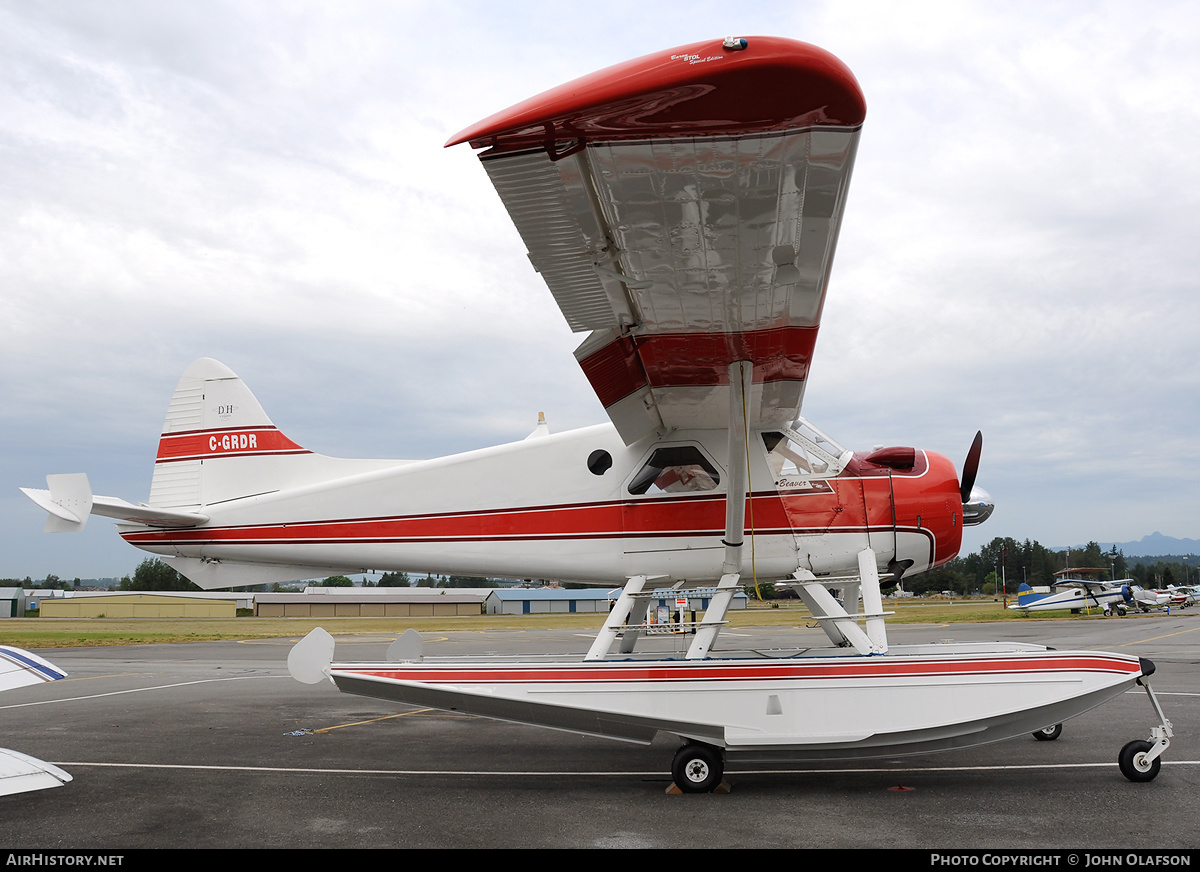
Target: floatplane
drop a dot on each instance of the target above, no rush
(683, 209)
(1073, 589)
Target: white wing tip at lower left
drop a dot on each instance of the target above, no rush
(21, 668)
(20, 773)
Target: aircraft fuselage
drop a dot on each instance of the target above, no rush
(560, 507)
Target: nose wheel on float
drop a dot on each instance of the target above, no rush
(1140, 760)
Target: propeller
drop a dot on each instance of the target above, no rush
(977, 505)
(971, 466)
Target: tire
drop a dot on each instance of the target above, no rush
(697, 768)
(1133, 762)
(1049, 734)
(1108, 613)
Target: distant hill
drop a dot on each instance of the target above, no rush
(1154, 545)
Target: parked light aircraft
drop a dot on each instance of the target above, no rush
(1072, 591)
(20, 773)
(683, 209)
(1150, 599)
(1184, 595)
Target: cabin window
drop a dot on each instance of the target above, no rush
(675, 469)
(599, 462)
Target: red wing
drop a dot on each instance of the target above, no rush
(684, 208)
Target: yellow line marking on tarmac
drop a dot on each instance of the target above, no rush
(71, 678)
(374, 720)
(1156, 638)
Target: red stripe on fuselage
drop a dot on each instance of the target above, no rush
(677, 517)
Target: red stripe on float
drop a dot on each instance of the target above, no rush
(872, 668)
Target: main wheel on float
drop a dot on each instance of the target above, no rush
(1135, 765)
(1048, 734)
(697, 768)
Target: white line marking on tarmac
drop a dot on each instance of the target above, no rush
(574, 773)
(136, 690)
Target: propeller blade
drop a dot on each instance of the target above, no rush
(971, 466)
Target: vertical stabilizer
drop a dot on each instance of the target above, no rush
(217, 442)
(1026, 595)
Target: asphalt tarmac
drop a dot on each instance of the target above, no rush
(213, 745)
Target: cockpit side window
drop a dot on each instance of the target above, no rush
(803, 453)
(675, 469)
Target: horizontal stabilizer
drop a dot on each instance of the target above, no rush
(154, 516)
(69, 501)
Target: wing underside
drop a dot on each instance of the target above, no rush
(682, 248)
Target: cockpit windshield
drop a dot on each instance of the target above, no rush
(803, 451)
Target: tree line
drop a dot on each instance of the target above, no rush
(1001, 565)
(1004, 563)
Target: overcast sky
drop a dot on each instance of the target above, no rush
(265, 183)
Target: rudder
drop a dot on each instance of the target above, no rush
(217, 443)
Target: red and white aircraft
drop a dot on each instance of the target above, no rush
(683, 209)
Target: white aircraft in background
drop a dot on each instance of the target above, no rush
(1184, 595)
(683, 209)
(20, 773)
(1071, 590)
(1150, 599)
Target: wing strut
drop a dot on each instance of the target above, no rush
(740, 374)
(840, 625)
(616, 620)
(630, 609)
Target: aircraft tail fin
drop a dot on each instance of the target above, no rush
(1026, 594)
(217, 443)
